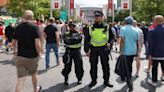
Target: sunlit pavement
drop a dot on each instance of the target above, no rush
(52, 80)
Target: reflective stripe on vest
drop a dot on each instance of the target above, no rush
(99, 37)
(74, 46)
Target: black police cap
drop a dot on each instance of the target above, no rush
(98, 13)
(72, 24)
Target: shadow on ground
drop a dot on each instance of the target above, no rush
(87, 89)
(146, 85)
(6, 62)
(124, 88)
(60, 87)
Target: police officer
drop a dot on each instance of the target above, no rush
(72, 40)
(97, 43)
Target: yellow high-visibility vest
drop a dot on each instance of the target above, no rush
(99, 36)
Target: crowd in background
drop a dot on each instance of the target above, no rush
(48, 39)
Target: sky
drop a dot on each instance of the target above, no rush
(91, 3)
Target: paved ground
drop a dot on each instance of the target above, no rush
(52, 80)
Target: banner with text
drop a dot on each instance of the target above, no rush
(125, 4)
(55, 4)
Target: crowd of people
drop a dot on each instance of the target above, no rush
(29, 39)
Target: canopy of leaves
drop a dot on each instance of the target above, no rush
(144, 10)
(39, 7)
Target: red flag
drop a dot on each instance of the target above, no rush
(110, 4)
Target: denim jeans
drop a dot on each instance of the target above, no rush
(50, 46)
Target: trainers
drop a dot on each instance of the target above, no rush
(146, 70)
(152, 83)
(93, 83)
(47, 67)
(42, 56)
(108, 84)
(162, 78)
(39, 89)
(7, 49)
(137, 75)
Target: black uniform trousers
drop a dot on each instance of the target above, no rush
(155, 69)
(129, 60)
(103, 52)
(73, 54)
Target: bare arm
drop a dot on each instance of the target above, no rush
(14, 42)
(138, 47)
(37, 46)
(57, 38)
(121, 44)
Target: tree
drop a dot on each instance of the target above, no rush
(39, 7)
(144, 10)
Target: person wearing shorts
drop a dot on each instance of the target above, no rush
(141, 41)
(26, 66)
(27, 39)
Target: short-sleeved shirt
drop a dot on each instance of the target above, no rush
(1, 30)
(145, 30)
(25, 34)
(130, 36)
(50, 32)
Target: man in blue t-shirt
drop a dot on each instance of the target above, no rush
(129, 46)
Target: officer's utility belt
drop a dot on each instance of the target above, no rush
(75, 46)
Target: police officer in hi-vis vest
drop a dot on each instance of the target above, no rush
(72, 40)
(97, 43)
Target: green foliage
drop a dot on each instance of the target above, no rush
(144, 10)
(120, 16)
(56, 14)
(39, 7)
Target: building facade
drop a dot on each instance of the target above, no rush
(3, 2)
(2, 7)
(88, 13)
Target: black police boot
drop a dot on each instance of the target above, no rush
(106, 83)
(93, 83)
(66, 80)
(131, 87)
(79, 82)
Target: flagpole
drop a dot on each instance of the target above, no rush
(130, 2)
(50, 8)
(113, 8)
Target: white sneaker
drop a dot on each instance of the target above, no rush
(146, 70)
(42, 56)
(39, 89)
(152, 83)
